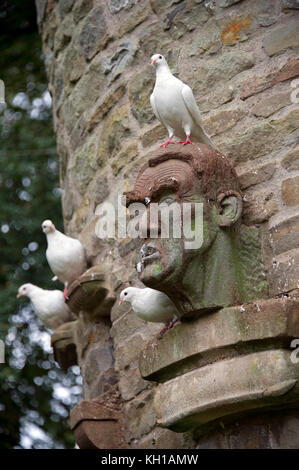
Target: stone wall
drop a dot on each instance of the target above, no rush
(241, 59)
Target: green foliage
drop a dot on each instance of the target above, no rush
(35, 394)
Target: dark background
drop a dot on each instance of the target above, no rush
(35, 395)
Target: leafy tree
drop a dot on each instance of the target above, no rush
(35, 395)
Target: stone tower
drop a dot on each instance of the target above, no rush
(229, 371)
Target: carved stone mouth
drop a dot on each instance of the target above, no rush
(149, 253)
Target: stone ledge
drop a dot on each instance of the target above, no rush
(259, 380)
(229, 332)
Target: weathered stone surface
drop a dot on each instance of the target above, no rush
(140, 90)
(227, 3)
(208, 39)
(222, 121)
(100, 188)
(131, 383)
(124, 157)
(73, 64)
(260, 139)
(107, 102)
(81, 8)
(225, 67)
(154, 135)
(256, 380)
(116, 5)
(236, 30)
(129, 351)
(285, 235)
(291, 161)
(259, 207)
(220, 95)
(153, 38)
(161, 438)
(138, 15)
(271, 430)
(160, 6)
(284, 273)
(63, 34)
(94, 34)
(83, 167)
(185, 17)
(125, 326)
(64, 7)
(115, 65)
(67, 200)
(256, 175)
(290, 4)
(290, 191)
(140, 414)
(271, 104)
(223, 334)
(259, 83)
(115, 129)
(282, 38)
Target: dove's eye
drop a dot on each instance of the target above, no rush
(160, 57)
(126, 293)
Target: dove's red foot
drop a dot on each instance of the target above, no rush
(65, 292)
(169, 141)
(167, 327)
(187, 141)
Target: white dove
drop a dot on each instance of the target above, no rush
(151, 305)
(174, 105)
(49, 305)
(65, 255)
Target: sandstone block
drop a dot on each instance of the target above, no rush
(290, 191)
(258, 83)
(282, 38)
(291, 161)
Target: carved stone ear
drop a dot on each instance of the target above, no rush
(230, 208)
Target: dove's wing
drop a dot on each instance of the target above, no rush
(156, 113)
(192, 107)
(153, 104)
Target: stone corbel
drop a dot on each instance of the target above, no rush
(225, 365)
(92, 292)
(99, 423)
(63, 344)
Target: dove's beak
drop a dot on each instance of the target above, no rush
(120, 302)
(154, 61)
(52, 227)
(19, 295)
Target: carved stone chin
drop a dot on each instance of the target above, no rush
(226, 268)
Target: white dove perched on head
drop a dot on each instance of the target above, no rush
(151, 305)
(49, 305)
(174, 105)
(65, 255)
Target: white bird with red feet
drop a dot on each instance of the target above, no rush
(65, 255)
(151, 305)
(175, 107)
(49, 305)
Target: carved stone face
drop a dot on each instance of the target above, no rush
(185, 175)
